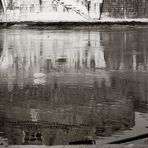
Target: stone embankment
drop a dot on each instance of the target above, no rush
(78, 146)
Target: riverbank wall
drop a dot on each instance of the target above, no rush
(75, 25)
(73, 10)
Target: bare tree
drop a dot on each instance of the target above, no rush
(10, 5)
(40, 1)
(101, 9)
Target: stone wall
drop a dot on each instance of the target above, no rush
(1, 11)
(44, 10)
(125, 9)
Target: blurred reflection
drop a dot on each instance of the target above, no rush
(129, 58)
(64, 86)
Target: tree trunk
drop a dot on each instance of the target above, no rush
(40, 1)
(101, 9)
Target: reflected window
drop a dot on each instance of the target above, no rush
(33, 138)
(113, 83)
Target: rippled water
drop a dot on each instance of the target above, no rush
(61, 86)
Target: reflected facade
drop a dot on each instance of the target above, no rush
(63, 86)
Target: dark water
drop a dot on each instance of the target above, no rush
(61, 86)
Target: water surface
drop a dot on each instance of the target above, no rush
(60, 86)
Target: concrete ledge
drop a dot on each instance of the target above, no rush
(77, 146)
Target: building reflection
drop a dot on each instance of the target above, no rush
(125, 50)
(54, 91)
(129, 59)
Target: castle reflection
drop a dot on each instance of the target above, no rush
(62, 86)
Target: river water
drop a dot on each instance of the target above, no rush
(61, 86)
